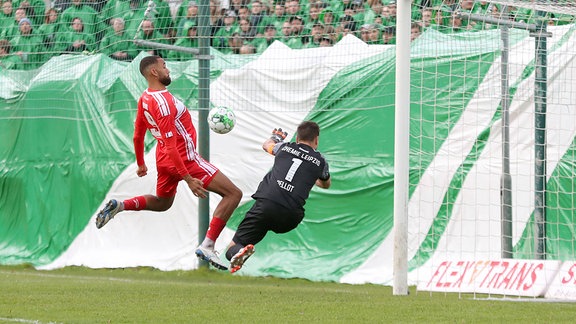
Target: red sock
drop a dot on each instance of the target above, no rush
(136, 203)
(215, 228)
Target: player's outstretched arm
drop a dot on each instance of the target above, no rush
(278, 136)
(139, 133)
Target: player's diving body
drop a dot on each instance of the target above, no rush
(282, 193)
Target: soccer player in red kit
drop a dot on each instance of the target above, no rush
(169, 121)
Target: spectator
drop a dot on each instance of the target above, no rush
(216, 17)
(235, 5)
(326, 41)
(220, 39)
(87, 15)
(132, 11)
(287, 37)
(163, 20)
(456, 24)
(391, 19)
(149, 32)
(49, 31)
(416, 11)
(113, 9)
(374, 35)
(313, 16)
(6, 16)
(268, 6)
(118, 45)
(235, 42)
(349, 12)
(133, 16)
(328, 18)
(415, 31)
(34, 10)
(257, 15)
(386, 17)
(358, 11)
(365, 33)
(14, 28)
(426, 18)
(468, 6)
(278, 17)
(190, 19)
(190, 41)
(247, 31)
(181, 10)
(293, 8)
(374, 9)
(76, 40)
(9, 61)
(347, 26)
(389, 35)
(247, 49)
(297, 24)
(330, 32)
(442, 18)
(264, 41)
(27, 45)
(316, 35)
(243, 13)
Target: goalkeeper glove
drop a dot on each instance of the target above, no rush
(278, 135)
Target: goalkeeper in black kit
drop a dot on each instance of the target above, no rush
(281, 195)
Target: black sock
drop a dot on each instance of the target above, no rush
(233, 250)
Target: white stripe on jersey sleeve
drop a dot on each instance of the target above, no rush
(162, 103)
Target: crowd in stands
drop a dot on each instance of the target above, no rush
(31, 32)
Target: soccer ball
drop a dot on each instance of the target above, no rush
(221, 120)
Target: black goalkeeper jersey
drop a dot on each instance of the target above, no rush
(296, 169)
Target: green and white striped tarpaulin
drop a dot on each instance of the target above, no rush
(64, 157)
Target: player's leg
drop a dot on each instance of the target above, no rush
(251, 231)
(215, 181)
(231, 196)
(240, 257)
(167, 183)
(145, 202)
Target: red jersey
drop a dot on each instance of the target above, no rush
(169, 121)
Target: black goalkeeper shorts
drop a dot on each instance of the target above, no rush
(266, 215)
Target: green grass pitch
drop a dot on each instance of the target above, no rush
(144, 295)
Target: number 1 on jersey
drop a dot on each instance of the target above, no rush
(295, 165)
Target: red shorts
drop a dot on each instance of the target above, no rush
(168, 177)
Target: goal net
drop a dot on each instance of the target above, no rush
(492, 191)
